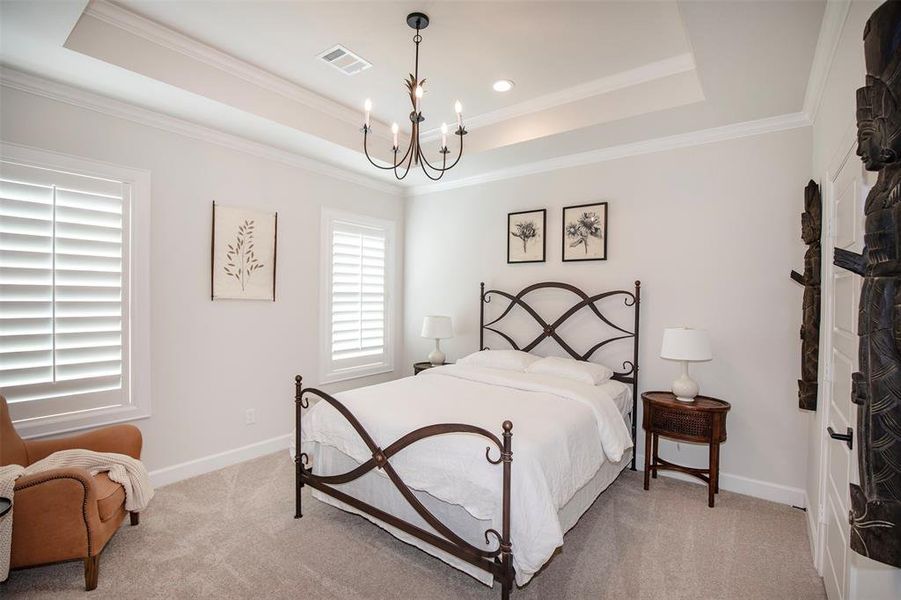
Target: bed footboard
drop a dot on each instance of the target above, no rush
(498, 561)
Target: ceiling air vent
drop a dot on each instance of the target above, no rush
(344, 60)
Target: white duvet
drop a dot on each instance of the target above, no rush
(563, 432)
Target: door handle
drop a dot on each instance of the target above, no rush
(845, 437)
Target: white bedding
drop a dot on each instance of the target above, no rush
(563, 432)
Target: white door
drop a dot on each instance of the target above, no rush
(844, 200)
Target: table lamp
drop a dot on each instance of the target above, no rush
(686, 345)
(437, 328)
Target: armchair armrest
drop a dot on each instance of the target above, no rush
(55, 516)
(77, 476)
(121, 439)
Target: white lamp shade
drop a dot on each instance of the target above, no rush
(437, 327)
(681, 343)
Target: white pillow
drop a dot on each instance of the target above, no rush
(568, 368)
(510, 360)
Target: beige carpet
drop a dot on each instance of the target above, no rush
(230, 534)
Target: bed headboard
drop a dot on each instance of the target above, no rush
(628, 375)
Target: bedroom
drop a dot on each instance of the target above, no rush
(670, 143)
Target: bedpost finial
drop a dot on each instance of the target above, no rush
(637, 283)
(298, 379)
(508, 426)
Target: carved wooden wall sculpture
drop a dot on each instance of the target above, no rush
(876, 502)
(811, 225)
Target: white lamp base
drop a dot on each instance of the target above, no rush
(436, 356)
(685, 388)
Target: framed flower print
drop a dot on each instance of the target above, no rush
(585, 232)
(526, 241)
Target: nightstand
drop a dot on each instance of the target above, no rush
(422, 366)
(702, 421)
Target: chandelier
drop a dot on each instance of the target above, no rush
(413, 155)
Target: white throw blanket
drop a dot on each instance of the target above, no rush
(130, 473)
(563, 432)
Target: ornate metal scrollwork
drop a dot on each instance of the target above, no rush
(549, 330)
(497, 536)
(381, 460)
(500, 458)
(299, 392)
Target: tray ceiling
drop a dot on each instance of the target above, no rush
(588, 74)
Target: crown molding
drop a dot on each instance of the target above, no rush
(38, 86)
(834, 18)
(673, 142)
(675, 65)
(122, 18)
(81, 98)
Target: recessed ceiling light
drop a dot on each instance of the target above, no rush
(503, 85)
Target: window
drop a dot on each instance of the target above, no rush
(357, 304)
(66, 299)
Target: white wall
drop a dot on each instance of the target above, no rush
(712, 231)
(835, 119)
(211, 360)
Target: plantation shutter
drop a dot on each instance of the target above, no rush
(358, 296)
(62, 283)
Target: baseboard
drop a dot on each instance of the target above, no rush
(774, 492)
(766, 490)
(813, 531)
(213, 462)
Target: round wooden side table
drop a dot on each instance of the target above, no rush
(702, 421)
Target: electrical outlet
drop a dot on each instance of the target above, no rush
(250, 416)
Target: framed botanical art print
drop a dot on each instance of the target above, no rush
(525, 236)
(585, 232)
(244, 253)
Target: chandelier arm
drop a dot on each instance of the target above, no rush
(444, 167)
(459, 154)
(404, 157)
(436, 169)
(409, 156)
(396, 162)
(431, 166)
(409, 163)
(369, 158)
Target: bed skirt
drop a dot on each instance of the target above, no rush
(378, 491)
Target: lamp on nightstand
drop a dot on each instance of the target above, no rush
(686, 345)
(437, 328)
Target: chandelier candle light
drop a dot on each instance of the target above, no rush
(401, 164)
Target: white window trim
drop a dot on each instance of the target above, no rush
(326, 374)
(138, 359)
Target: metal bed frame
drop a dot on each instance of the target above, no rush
(499, 560)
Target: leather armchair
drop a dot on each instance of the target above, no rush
(65, 514)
